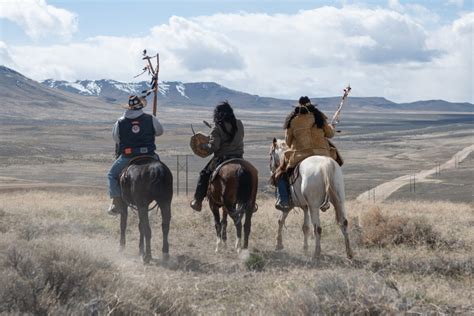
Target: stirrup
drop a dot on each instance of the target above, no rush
(325, 206)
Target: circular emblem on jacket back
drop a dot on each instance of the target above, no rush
(136, 129)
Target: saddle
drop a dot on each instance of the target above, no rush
(141, 160)
(219, 167)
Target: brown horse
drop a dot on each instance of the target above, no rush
(233, 186)
(146, 180)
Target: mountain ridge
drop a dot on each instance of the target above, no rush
(18, 88)
(210, 93)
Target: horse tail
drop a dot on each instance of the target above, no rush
(244, 190)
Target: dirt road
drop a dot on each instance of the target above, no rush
(384, 190)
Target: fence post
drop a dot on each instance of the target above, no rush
(177, 174)
(187, 175)
(180, 166)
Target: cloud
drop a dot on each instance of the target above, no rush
(196, 47)
(381, 52)
(458, 3)
(5, 55)
(38, 19)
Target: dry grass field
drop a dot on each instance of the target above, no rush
(59, 250)
(59, 255)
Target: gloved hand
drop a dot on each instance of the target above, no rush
(205, 146)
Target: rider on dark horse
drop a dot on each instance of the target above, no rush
(306, 135)
(134, 133)
(226, 141)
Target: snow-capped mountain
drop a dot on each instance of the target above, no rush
(170, 92)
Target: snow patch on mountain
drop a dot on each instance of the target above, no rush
(93, 88)
(130, 88)
(163, 88)
(79, 87)
(180, 87)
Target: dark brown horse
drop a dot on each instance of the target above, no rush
(146, 180)
(233, 186)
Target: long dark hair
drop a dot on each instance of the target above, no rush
(224, 113)
(305, 108)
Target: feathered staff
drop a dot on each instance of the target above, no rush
(153, 71)
(335, 118)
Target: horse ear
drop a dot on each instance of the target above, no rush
(274, 140)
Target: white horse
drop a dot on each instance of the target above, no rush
(320, 180)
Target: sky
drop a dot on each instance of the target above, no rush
(401, 50)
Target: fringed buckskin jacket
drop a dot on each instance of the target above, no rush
(305, 139)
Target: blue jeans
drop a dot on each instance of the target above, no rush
(114, 173)
(282, 189)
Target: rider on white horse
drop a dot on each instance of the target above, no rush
(306, 135)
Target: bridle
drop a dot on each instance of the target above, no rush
(274, 160)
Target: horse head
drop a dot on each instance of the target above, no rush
(277, 151)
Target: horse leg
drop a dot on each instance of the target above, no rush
(281, 223)
(317, 232)
(238, 229)
(146, 232)
(141, 239)
(165, 228)
(247, 227)
(306, 229)
(224, 228)
(217, 224)
(342, 221)
(123, 227)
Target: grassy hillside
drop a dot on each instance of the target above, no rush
(59, 254)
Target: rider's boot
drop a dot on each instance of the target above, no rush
(116, 206)
(201, 190)
(196, 205)
(282, 203)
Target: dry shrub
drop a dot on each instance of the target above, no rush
(345, 293)
(49, 278)
(447, 266)
(37, 278)
(382, 230)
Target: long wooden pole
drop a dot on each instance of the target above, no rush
(335, 118)
(154, 72)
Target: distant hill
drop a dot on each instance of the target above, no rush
(173, 93)
(78, 98)
(23, 97)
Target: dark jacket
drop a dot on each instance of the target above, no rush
(220, 143)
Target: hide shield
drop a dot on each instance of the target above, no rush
(196, 141)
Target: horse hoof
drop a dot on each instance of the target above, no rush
(146, 259)
(237, 244)
(316, 260)
(166, 256)
(279, 247)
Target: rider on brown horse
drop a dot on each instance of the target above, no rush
(226, 141)
(306, 135)
(134, 133)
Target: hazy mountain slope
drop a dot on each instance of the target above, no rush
(21, 97)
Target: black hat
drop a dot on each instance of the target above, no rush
(304, 101)
(135, 102)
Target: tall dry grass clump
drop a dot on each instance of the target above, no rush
(345, 292)
(381, 230)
